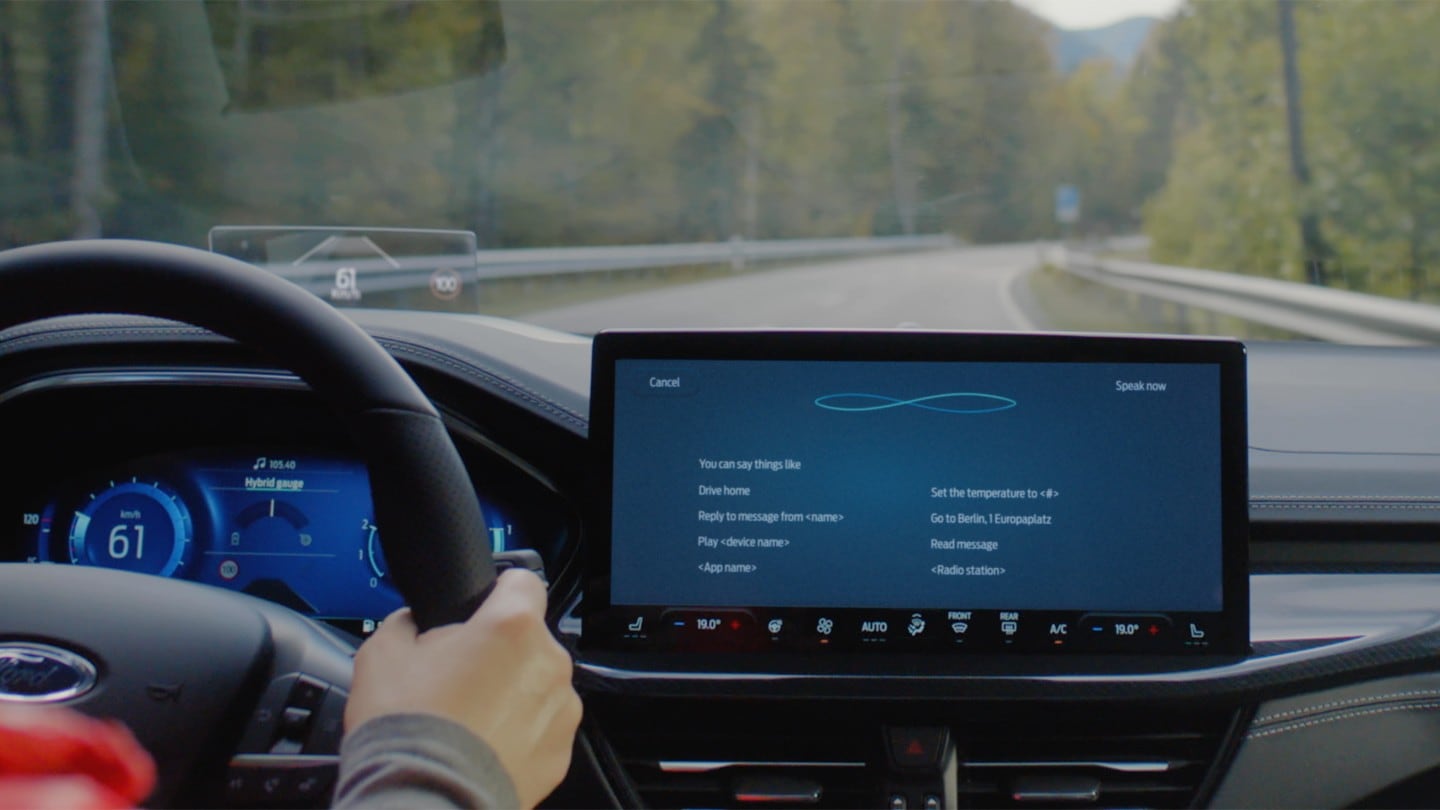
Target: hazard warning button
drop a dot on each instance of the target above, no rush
(916, 746)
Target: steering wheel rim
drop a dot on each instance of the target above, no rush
(422, 492)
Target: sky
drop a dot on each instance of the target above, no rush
(1095, 13)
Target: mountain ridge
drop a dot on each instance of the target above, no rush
(1120, 42)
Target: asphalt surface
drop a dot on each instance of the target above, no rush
(966, 288)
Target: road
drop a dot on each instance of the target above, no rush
(966, 288)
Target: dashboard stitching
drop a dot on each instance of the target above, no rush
(1338, 704)
(486, 375)
(1319, 721)
(476, 370)
(88, 323)
(58, 334)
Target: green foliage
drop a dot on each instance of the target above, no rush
(562, 123)
(630, 121)
(1370, 80)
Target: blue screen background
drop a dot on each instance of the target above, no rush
(1136, 523)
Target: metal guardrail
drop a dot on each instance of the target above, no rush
(737, 253)
(392, 274)
(1327, 314)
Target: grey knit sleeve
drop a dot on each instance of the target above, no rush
(420, 761)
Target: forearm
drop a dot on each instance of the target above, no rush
(420, 760)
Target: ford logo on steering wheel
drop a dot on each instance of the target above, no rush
(40, 673)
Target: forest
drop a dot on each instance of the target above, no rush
(1299, 140)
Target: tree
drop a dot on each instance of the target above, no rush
(1378, 151)
(713, 152)
(92, 54)
(1315, 250)
(1228, 202)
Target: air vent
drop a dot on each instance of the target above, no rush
(752, 770)
(745, 757)
(1095, 756)
(751, 783)
(832, 754)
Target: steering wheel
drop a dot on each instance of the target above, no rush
(198, 673)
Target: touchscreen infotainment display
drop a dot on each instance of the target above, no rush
(935, 493)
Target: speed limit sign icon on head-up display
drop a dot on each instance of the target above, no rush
(445, 284)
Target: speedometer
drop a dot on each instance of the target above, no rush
(134, 525)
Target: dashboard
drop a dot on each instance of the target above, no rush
(296, 528)
(1334, 704)
(160, 486)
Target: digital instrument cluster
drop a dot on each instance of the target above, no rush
(294, 528)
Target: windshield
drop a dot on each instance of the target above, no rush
(1265, 169)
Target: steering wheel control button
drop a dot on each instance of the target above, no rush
(242, 787)
(295, 723)
(299, 714)
(308, 693)
(40, 673)
(273, 781)
(526, 558)
(916, 747)
(264, 727)
(312, 784)
(328, 725)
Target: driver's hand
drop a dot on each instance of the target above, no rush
(500, 674)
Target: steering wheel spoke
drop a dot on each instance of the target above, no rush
(289, 751)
